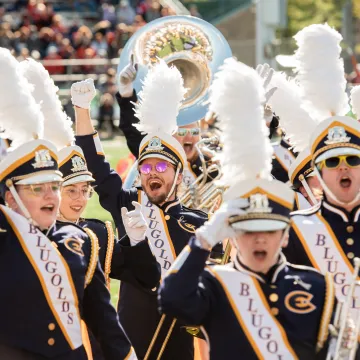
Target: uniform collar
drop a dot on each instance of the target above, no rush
(171, 207)
(336, 213)
(270, 276)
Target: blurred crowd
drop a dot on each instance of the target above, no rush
(38, 29)
(78, 29)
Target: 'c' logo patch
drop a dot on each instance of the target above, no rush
(299, 302)
(74, 245)
(186, 226)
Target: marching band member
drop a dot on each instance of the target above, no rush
(170, 225)
(129, 259)
(187, 135)
(270, 309)
(325, 236)
(55, 267)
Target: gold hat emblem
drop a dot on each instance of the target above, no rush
(42, 159)
(336, 135)
(259, 203)
(154, 144)
(78, 164)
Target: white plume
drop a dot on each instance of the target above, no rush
(355, 101)
(160, 99)
(286, 103)
(20, 117)
(320, 71)
(57, 125)
(236, 97)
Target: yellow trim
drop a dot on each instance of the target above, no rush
(94, 256)
(191, 170)
(238, 315)
(129, 354)
(297, 200)
(168, 234)
(327, 311)
(109, 252)
(43, 284)
(336, 242)
(25, 159)
(139, 196)
(94, 136)
(305, 246)
(299, 167)
(317, 141)
(73, 153)
(269, 195)
(86, 340)
(281, 329)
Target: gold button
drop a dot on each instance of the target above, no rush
(167, 217)
(51, 326)
(194, 166)
(350, 255)
(154, 289)
(350, 241)
(274, 311)
(274, 297)
(51, 341)
(273, 286)
(350, 229)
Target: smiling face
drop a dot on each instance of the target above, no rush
(42, 202)
(188, 141)
(157, 185)
(343, 182)
(260, 250)
(74, 200)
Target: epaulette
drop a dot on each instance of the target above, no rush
(94, 256)
(307, 212)
(62, 223)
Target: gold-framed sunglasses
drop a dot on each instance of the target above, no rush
(334, 162)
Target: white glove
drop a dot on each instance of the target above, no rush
(266, 73)
(127, 77)
(135, 223)
(218, 228)
(82, 93)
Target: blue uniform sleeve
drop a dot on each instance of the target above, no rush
(135, 264)
(102, 319)
(127, 118)
(188, 292)
(108, 183)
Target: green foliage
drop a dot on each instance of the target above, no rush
(302, 13)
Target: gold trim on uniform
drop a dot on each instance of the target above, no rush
(109, 252)
(93, 257)
(327, 311)
(301, 302)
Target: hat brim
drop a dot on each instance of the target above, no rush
(258, 225)
(40, 179)
(156, 156)
(78, 179)
(337, 152)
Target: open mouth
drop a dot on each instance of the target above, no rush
(345, 182)
(188, 146)
(155, 184)
(48, 209)
(260, 255)
(76, 208)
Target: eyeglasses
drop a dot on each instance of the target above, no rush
(334, 162)
(74, 193)
(160, 167)
(42, 189)
(193, 131)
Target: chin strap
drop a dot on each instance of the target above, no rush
(307, 189)
(11, 187)
(174, 183)
(330, 193)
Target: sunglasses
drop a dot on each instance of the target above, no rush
(334, 162)
(192, 131)
(160, 167)
(42, 189)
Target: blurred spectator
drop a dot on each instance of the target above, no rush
(65, 49)
(107, 83)
(153, 12)
(119, 39)
(106, 113)
(125, 13)
(52, 54)
(99, 43)
(193, 9)
(46, 37)
(42, 15)
(108, 13)
(85, 5)
(138, 22)
(57, 25)
(24, 54)
(88, 54)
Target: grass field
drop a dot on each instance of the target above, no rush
(115, 150)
